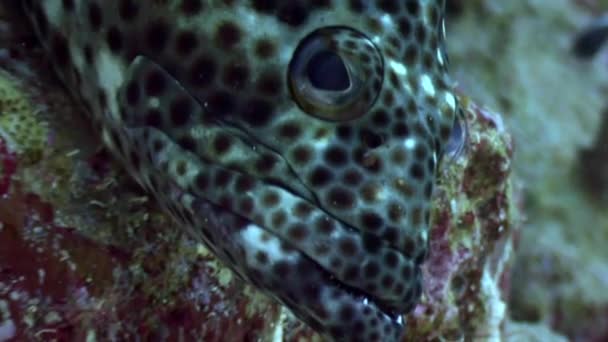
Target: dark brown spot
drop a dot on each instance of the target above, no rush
(293, 13)
(154, 118)
(371, 243)
(264, 49)
(220, 103)
(301, 155)
(290, 130)
(191, 7)
(202, 71)
(265, 163)
(298, 232)
(391, 259)
(270, 199)
(417, 171)
(387, 281)
(279, 218)
(114, 39)
(341, 198)
(371, 270)
(185, 43)
(155, 83)
(181, 110)
(348, 247)
(325, 225)
(320, 176)
(258, 112)
(187, 143)
(244, 184)
(269, 84)
(246, 205)
(390, 6)
(371, 221)
(222, 143)
(261, 257)
(352, 177)
(95, 16)
(303, 210)
(157, 35)
(128, 10)
(236, 75)
(227, 35)
(336, 156)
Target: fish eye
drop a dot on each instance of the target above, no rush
(336, 74)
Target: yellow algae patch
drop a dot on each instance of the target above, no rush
(20, 127)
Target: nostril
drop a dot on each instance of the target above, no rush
(459, 135)
(371, 139)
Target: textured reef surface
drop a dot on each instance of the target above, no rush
(86, 254)
(522, 63)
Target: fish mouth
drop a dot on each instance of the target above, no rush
(278, 237)
(285, 273)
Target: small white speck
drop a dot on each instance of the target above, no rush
(320, 144)
(387, 20)
(427, 85)
(439, 57)
(451, 101)
(91, 336)
(153, 102)
(41, 275)
(399, 68)
(409, 143)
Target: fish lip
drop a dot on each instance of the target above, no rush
(358, 294)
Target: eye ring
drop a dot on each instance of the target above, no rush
(336, 73)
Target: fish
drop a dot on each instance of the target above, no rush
(298, 140)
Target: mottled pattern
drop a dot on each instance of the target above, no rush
(298, 139)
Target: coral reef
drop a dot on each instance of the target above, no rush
(517, 57)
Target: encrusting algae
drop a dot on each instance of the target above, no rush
(20, 127)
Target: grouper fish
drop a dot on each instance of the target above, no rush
(299, 140)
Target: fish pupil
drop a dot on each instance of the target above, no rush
(326, 71)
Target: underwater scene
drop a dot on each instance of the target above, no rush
(304, 170)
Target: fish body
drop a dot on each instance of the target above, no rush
(298, 139)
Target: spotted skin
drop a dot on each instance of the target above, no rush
(298, 139)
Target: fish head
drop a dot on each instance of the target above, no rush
(298, 139)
